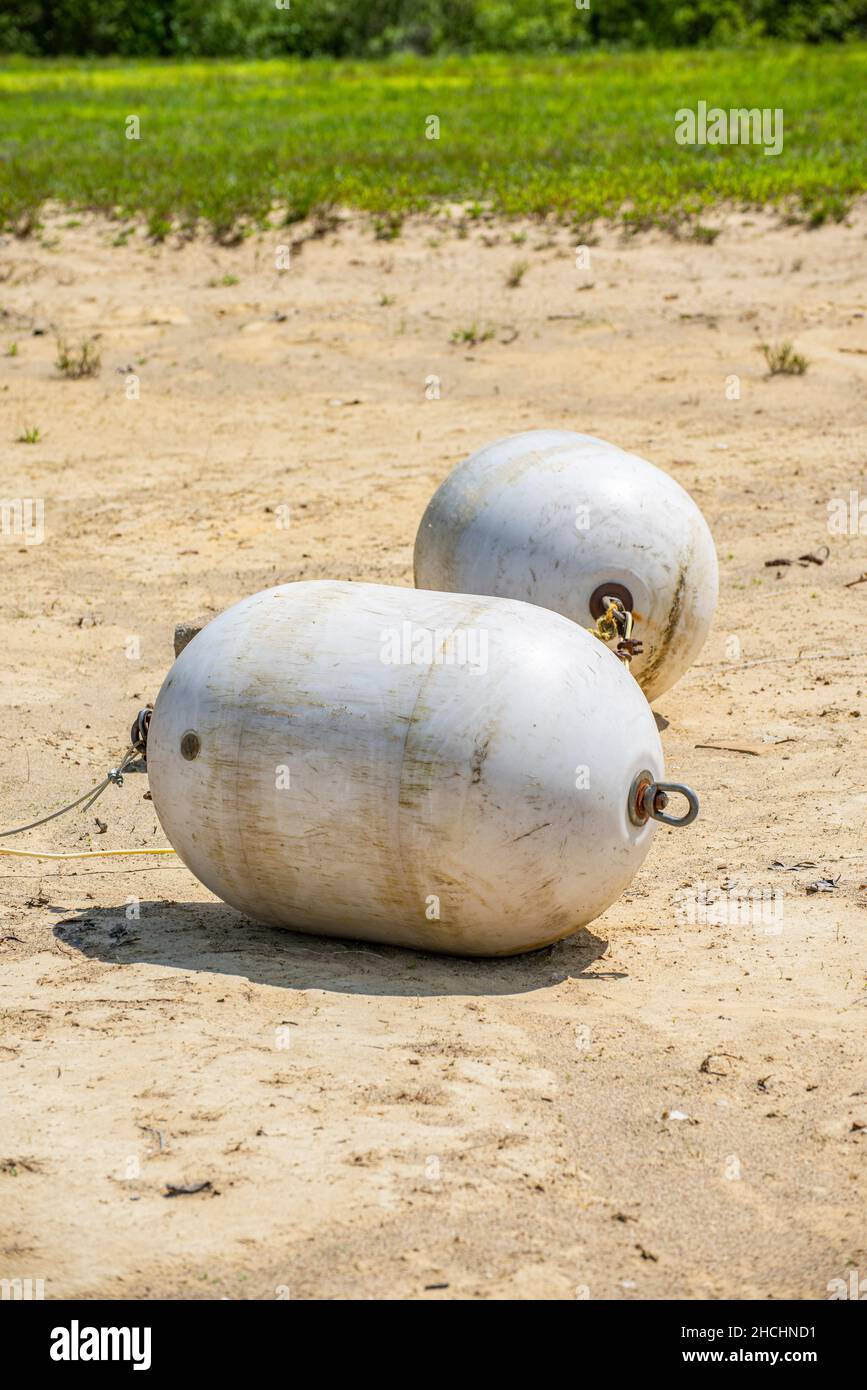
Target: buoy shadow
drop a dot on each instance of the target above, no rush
(215, 939)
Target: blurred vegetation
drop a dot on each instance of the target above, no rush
(576, 136)
(376, 28)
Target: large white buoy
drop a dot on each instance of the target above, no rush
(460, 774)
(564, 520)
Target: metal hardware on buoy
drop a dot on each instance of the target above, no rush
(190, 745)
(138, 735)
(604, 593)
(649, 798)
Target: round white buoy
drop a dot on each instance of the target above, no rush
(460, 774)
(564, 520)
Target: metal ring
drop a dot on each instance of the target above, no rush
(665, 787)
(610, 589)
(635, 805)
(649, 798)
(139, 732)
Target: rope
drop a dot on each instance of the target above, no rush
(115, 775)
(607, 626)
(81, 854)
(617, 622)
(137, 749)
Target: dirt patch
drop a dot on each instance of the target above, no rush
(373, 1122)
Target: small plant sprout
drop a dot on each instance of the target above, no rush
(12, 350)
(707, 235)
(75, 362)
(388, 227)
(472, 335)
(31, 436)
(159, 227)
(516, 274)
(782, 360)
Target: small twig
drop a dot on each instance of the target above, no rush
(157, 1133)
(706, 1067)
(773, 660)
(729, 748)
(88, 873)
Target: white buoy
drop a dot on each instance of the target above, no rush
(564, 520)
(460, 774)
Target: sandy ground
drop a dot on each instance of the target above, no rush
(375, 1123)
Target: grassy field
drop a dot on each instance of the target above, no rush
(576, 136)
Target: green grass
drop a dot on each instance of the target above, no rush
(77, 360)
(576, 136)
(782, 360)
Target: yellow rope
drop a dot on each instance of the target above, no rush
(617, 622)
(606, 626)
(82, 854)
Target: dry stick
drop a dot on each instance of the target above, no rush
(772, 660)
(731, 748)
(87, 873)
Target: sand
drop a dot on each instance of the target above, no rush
(654, 1108)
